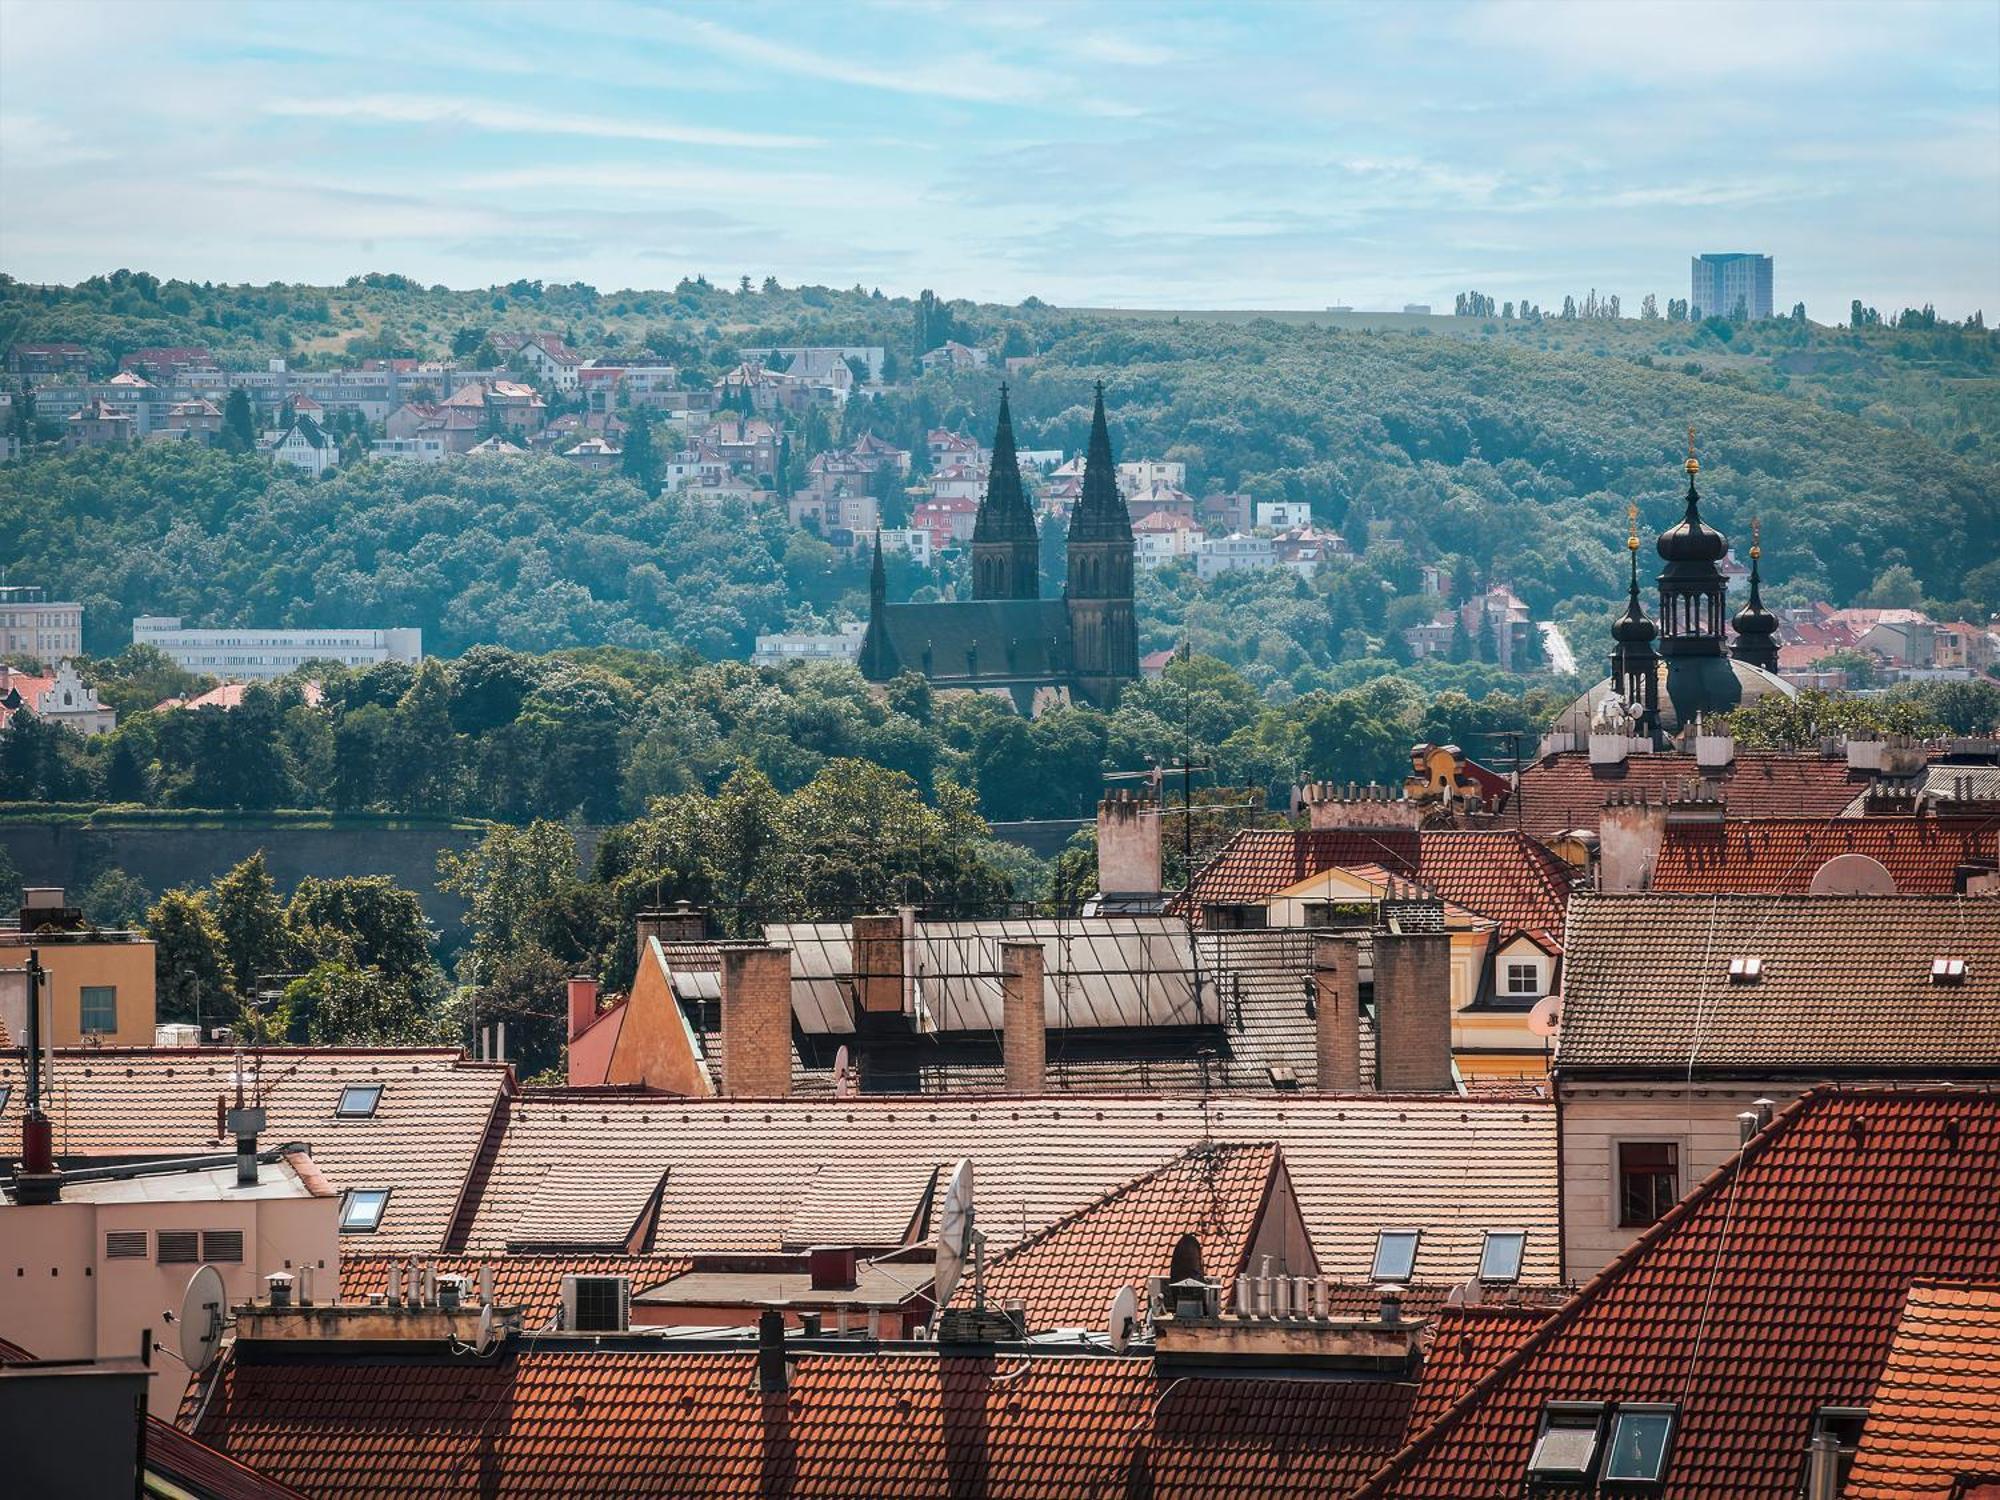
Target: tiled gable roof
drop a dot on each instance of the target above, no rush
(421, 1142)
(1066, 1275)
(737, 1169)
(885, 1425)
(1924, 855)
(530, 1282)
(1934, 1417)
(199, 1470)
(1845, 982)
(1566, 791)
(1772, 1290)
(1468, 1344)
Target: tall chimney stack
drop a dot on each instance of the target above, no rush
(582, 1006)
(1413, 1011)
(1024, 1017)
(773, 1377)
(1337, 987)
(756, 1020)
(878, 965)
(1128, 847)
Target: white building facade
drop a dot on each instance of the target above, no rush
(256, 655)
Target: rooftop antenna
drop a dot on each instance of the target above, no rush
(201, 1320)
(1124, 1318)
(956, 1236)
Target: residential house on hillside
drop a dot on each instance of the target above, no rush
(59, 697)
(1165, 537)
(48, 359)
(305, 445)
(1497, 612)
(1137, 476)
(552, 360)
(1235, 553)
(98, 425)
(952, 355)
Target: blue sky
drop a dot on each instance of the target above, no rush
(1289, 155)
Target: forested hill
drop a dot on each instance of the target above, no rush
(1502, 449)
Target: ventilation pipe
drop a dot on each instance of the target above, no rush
(38, 1182)
(772, 1376)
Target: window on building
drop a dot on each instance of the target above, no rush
(1500, 1258)
(1395, 1255)
(1641, 1438)
(99, 1009)
(1649, 1181)
(1524, 978)
(222, 1245)
(362, 1212)
(179, 1247)
(600, 1304)
(358, 1101)
(1566, 1447)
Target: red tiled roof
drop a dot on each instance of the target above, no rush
(1774, 1289)
(1566, 791)
(1067, 1274)
(1924, 855)
(882, 1425)
(421, 1143)
(1467, 1345)
(1496, 873)
(531, 1282)
(1934, 1419)
(199, 1470)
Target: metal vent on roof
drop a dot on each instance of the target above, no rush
(1745, 970)
(125, 1244)
(1947, 971)
(222, 1245)
(179, 1247)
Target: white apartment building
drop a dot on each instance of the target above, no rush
(31, 625)
(1283, 515)
(253, 655)
(1235, 553)
(420, 449)
(1138, 475)
(776, 650)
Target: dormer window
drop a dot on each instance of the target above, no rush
(1565, 1451)
(1523, 979)
(1500, 1257)
(1395, 1255)
(1745, 970)
(1947, 971)
(358, 1101)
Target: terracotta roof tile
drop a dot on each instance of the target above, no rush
(1066, 1275)
(1845, 981)
(885, 1426)
(1565, 791)
(421, 1142)
(1924, 855)
(1934, 1417)
(1772, 1290)
(1468, 1344)
(532, 1283)
(199, 1470)
(581, 1204)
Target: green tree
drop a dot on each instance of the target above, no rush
(1896, 587)
(239, 425)
(506, 881)
(116, 900)
(639, 462)
(527, 992)
(251, 921)
(336, 1004)
(191, 975)
(366, 920)
(421, 759)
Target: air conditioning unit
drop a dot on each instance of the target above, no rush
(596, 1304)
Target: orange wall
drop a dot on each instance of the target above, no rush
(126, 965)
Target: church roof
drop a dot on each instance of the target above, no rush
(972, 639)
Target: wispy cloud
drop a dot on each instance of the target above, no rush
(479, 114)
(978, 80)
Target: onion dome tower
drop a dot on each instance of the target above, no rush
(1006, 555)
(1756, 627)
(1692, 587)
(1635, 665)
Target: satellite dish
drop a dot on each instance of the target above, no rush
(843, 1074)
(1124, 1317)
(1546, 1018)
(201, 1319)
(954, 1233)
(488, 1334)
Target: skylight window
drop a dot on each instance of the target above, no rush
(6, 1094)
(1566, 1448)
(1500, 1260)
(358, 1101)
(1640, 1439)
(1947, 971)
(362, 1212)
(1745, 970)
(1395, 1255)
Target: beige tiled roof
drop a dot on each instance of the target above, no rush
(737, 1170)
(1845, 982)
(420, 1143)
(875, 1203)
(582, 1205)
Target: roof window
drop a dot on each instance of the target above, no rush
(358, 1101)
(1395, 1255)
(1947, 971)
(362, 1212)
(1641, 1439)
(1500, 1259)
(6, 1093)
(1566, 1448)
(1745, 970)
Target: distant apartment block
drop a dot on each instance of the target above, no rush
(32, 625)
(251, 655)
(776, 650)
(1720, 282)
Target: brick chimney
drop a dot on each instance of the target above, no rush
(1023, 1017)
(756, 1020)
(679, 923)
(878, 965)
(1629, 834)
(1337, 987)
(1128, 845)
(1329, 805)
(582, 1006)
(1413, 1011)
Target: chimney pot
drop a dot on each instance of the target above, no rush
(772, 1375)
(1128, 845)
(878, 964)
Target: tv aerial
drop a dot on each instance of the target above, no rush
(956, 1238)
(1545, 1020)
(1124, 1317)
(202, 1320)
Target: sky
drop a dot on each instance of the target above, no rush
(1173, 155)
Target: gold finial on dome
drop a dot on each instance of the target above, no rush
(1693, 463)
(1632, 516)
(1756, 538)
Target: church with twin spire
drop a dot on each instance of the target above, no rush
(1008, 640)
